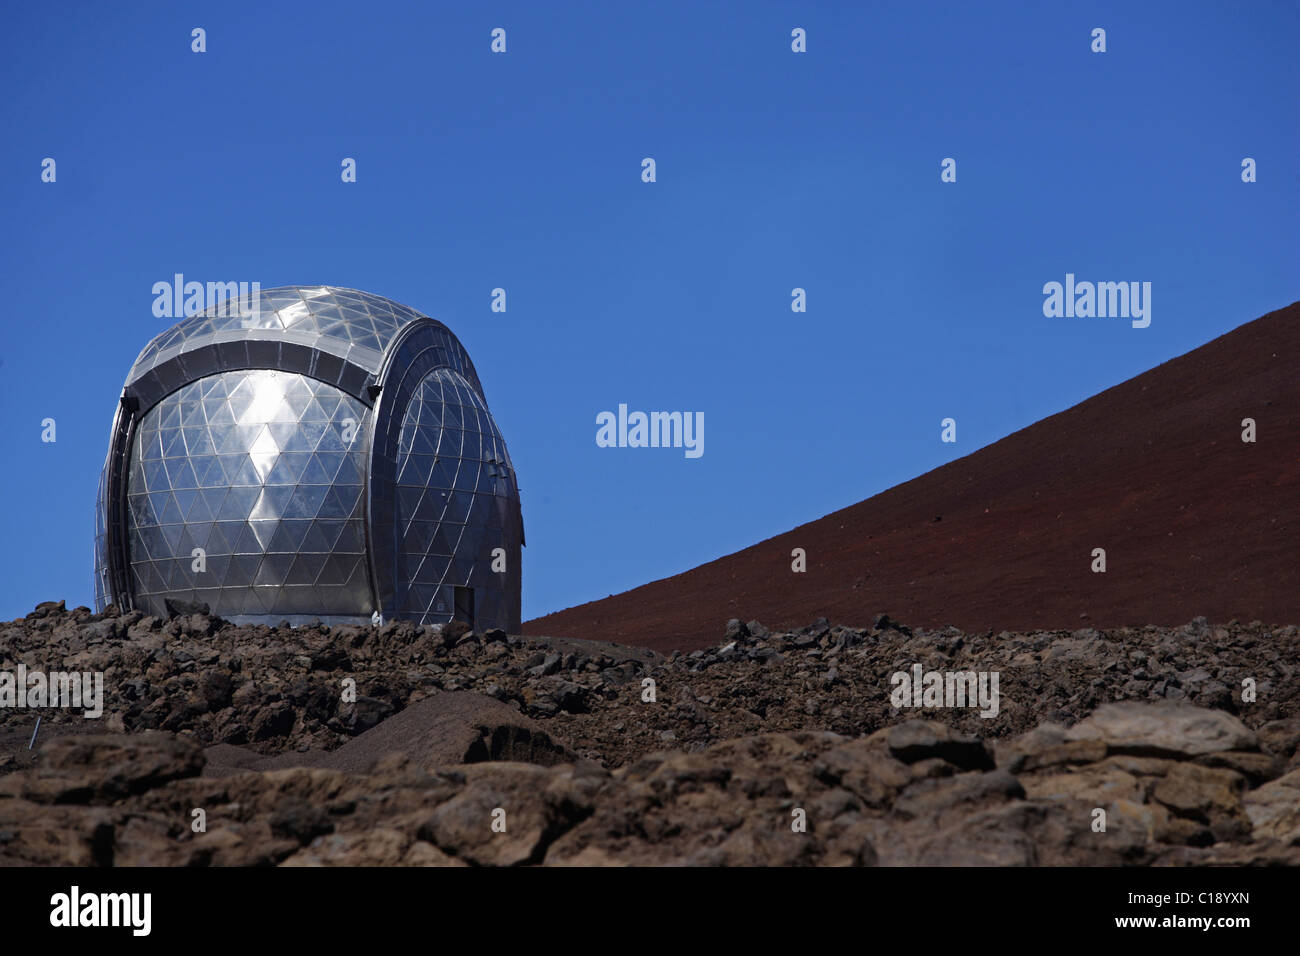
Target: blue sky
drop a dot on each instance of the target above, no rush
(522, 170)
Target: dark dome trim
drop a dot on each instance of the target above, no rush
(159, 382)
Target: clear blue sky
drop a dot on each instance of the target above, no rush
(523, 170)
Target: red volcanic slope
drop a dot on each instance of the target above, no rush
(1194, 521)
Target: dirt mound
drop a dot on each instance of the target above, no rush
(443, 730)
(1193, 520)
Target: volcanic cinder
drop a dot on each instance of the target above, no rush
(1193, 520)
(449, 728)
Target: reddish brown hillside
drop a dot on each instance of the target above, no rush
(1193, 520)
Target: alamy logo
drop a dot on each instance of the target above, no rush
(1104, 300)
(57, 689)
(655, 430)
(921, 688)
(179, 299)
(74, 908)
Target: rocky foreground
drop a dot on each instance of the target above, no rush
(229, 745)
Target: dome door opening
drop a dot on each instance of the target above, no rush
(463, 608)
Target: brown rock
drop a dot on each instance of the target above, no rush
(1274, 810)
(1281, 737)
(1206, 795)
(101, 769)
(501, 818)
(1164, 729)
(916, 740)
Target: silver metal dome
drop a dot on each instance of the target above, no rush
(328, 454)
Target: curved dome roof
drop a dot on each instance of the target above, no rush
(356, 326)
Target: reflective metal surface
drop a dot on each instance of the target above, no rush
(263, 471)
(341, 321)
(333, 459)
(453, 499)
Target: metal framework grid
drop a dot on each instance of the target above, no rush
(328, 454)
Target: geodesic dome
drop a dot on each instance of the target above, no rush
(328, 454)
